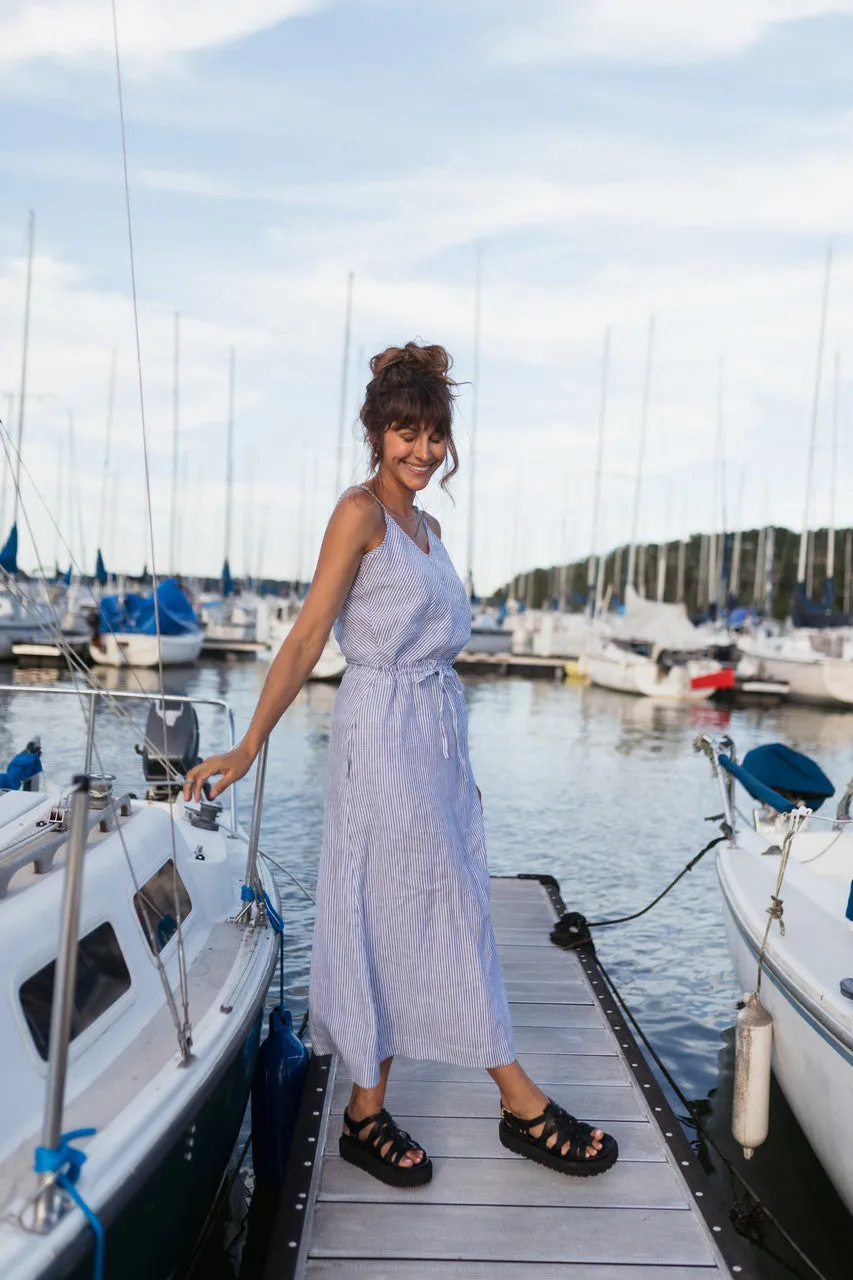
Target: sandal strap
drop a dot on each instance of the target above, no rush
(385, 1130)
(558, 1123)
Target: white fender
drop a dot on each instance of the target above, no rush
(751, 1102)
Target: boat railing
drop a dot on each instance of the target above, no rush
(93, 693)
(713, 748)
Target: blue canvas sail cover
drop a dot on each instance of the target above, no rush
(778, 776)
(135, 613)
(227, 580)
(100, 569)
(9, 554)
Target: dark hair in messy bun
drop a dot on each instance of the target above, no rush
(411, 385)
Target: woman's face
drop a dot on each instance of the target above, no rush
(412, 455)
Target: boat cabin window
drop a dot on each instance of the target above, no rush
(102, 978)
(160, 903)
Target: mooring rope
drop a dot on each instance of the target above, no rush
(572, 929)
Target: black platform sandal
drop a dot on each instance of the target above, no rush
(366, 1152)
(515, 1135)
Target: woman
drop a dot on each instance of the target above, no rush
(404, 958)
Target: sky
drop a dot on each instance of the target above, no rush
(607, 162)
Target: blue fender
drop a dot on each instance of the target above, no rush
(276, 1093)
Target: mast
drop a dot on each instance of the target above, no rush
(173, 532)
(356, 442)
(229, 457)
(682, 564)
(801, 563)
(596, 500)
(475, 390)
(111, 393)
(342, 414)
(719, 584)
(60, 471)
(644, 418)
(848, 556)
(769, 540)
(22, 395)
(662, 550)
(738, 541)
(7, 454)
(830, 533)
(758, 587)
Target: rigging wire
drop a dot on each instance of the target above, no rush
(147, 472)
(53, 627)
(184, 1039)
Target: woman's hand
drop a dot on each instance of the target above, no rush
(232, 765)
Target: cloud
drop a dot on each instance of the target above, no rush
(657, 32)
(149, 30)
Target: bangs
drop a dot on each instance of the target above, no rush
(417, 405)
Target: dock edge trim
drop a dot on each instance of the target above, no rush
(284, 1259)
(725, 1238)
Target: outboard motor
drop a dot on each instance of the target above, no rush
(170, 748)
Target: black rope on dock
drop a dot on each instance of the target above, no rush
(572, 929)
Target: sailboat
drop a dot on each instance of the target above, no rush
(136, 630)
(172, 972)
(654, 650)
(815, 657)
(785, 875)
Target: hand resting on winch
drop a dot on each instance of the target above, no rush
(229, 767)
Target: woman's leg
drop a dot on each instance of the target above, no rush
(367, 1102)
(524, 1099)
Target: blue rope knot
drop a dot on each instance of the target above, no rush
(274, 918)
(65, 1162)
(247, 893)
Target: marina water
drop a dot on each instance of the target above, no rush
(600, 790)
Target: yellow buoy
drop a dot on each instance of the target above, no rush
(751, 1102)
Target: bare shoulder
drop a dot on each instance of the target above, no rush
(358, 515)
(435, 527)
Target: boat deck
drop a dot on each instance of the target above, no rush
(488, 1213)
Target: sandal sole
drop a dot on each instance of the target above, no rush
(354, 1152)
(586, 1168)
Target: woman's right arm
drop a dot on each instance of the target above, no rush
(355, 525)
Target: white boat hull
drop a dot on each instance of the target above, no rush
(489, 640)
(331, 664)
(827, 682)
(611, 667)
(129, 650)
(812, 1037)
(817, 667)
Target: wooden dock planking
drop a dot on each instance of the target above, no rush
(487, 1212)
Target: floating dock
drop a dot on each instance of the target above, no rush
(511, 664)
(233, 648)
(488, 1214)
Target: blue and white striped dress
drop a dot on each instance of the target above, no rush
(404, 958)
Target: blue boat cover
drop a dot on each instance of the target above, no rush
(227, 580)
(778, 776)
(9, 554)
(26, 764)
(135, 613)
(100, 569)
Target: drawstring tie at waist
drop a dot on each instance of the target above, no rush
(447, 680)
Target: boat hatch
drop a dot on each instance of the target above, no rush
(161, 904)
(102, 978)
